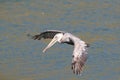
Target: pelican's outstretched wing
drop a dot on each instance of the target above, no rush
(78, 63)
(49, 34)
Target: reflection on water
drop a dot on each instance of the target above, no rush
(96, 22)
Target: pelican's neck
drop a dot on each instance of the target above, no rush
(77, 41)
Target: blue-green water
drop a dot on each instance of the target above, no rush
(95, 21)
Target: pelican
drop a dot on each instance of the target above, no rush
(79, 55)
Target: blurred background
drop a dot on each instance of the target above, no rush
(97, 22)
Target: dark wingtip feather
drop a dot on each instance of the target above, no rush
(34, 37)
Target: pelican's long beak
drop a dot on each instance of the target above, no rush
(54, 40)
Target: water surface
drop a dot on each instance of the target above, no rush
(95, 21)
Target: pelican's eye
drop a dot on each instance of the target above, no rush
(56, 36)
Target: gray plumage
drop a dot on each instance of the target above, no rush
(80, 47)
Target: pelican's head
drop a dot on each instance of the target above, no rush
(57, 38)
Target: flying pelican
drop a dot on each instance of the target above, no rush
(79, 55)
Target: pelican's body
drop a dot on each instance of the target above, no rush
(79, 53)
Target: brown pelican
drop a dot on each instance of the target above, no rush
(80, 47)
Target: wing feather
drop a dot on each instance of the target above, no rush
(49, 34)
(78, 63)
